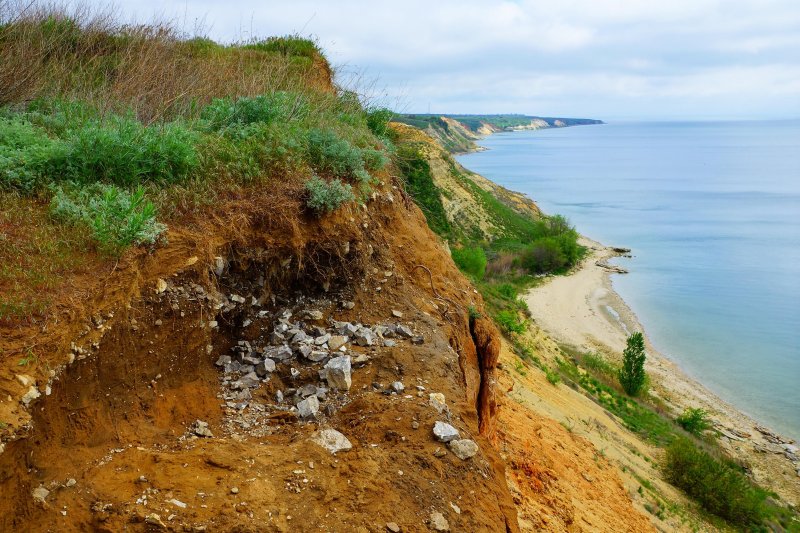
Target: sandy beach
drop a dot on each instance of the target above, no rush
(581, 309)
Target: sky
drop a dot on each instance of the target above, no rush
(607, 59)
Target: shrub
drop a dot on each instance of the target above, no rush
(117, 218)
(324, 196)
(378, 121)
(23, 149)
(632, 375)
(418, 181)
(231, 115)
(509, 321)
(125, 152)
(694, 420)
(544, 255)
(719, 486)
(332, 155)
(470, 260)
(287, 45)
(552, 376)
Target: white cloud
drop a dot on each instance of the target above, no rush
(540, 56)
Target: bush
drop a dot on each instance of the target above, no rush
(632, 375)
(23, 150)
(542, 256)
(117, 218)
(329, 154)
(326, 196)
(470, 260)
(509, 322)
(287, 45)
(232, 115)
(720, 487)
(418, 181)
(378, 121)
(694, 420)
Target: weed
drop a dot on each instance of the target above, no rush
(326, 196)
(552, 376)
(117, 218)
(510, 322)
(471, 261)
(694, 420)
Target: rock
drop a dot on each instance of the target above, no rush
(305, 350)
(247, 381)
(439, 452)
(159, 322)
(364, 337)
(31, 395)
(71, 482)
(223, 360)
(307, 390)
(317, 355)
(389, 343)
(398, 387)
(278, 353)
(394, 528)
(419, 339)
(414, 424)
(463, 448)
(436, 400)
(403, 331)
(40, 494)
(25, 380)
(219, 266)
(277, 338)
(308, 407)
(314, 314)
(161, 286)
(279, 397)
(348, 305)
(444, 432)
(154, 520)
(337, 341)
(201, 429)
(439, 522)
(331, 440)
(234, 490)
(396, 313)
(177, 503)
(322, 339)
(337, 373)
(265, 367)
(299, 337)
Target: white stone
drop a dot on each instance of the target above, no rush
(308, 407)
(40, 494)
(31, 395)
(161, 286)
(444, 432)
(463, 448)
(338, 373)
(437, 401)
(331, 440)
(439, 522)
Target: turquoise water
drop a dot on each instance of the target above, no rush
(712, 213)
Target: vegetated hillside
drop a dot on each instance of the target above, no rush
(457, 133)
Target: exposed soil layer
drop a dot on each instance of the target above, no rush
(132, 370)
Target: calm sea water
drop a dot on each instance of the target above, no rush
(712, 213)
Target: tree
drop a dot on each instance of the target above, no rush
(632, 375)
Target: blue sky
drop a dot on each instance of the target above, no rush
(609, 59)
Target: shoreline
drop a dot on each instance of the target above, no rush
(583, 310)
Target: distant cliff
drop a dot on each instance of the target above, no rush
(458, 133)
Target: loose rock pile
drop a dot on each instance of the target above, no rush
(297, 366)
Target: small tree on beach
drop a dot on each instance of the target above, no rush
(632, 375)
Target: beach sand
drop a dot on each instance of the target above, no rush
(582, 310)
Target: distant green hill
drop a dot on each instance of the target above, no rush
(458, 132)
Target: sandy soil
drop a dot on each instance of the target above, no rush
(583, 310)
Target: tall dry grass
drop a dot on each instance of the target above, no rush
(81, 53)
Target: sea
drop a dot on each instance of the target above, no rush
(711, 211)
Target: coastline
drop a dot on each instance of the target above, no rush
(582, 309)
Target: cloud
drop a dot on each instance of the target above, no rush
(654, 58)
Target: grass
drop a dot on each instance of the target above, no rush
(116, 124)
(696, 466)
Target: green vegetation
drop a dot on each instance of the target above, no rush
(717, 484)
(694, 420)
(471, 261)
(116, 217)
(416, 173)
(632, 375)
(694, 465)
(115, 125)
(327, 195)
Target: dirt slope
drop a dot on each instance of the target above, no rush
(117, 418)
